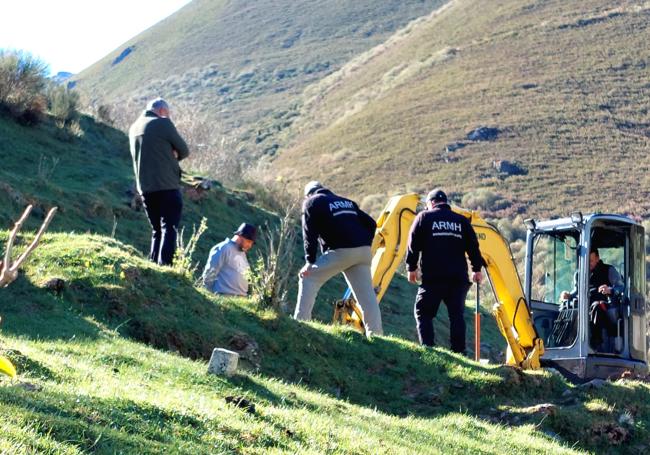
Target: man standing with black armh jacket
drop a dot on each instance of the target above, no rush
(438, 241)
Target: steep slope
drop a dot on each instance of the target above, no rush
(114, 360)
(88, 383)
(243, 64)
(565, 84)
(89, 178)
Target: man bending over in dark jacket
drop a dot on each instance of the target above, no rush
(345, 234)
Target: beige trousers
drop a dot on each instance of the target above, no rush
(354, 263)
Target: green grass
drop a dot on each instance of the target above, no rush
(89, 182)
(88, 179)
(94, 386)
(116, 362)
(565, 82)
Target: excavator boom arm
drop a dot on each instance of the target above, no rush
(511, 310)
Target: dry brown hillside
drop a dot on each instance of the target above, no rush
(242, 65)
(567, 85)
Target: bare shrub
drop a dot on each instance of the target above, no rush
(212, 152)
(183, 258)
(23, 79)
(46, 167)
(273, 269)
(63, 104)
(512, 229)
(484, 199)
(104, 114)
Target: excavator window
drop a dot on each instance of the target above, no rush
(555, 262)
(554, 268)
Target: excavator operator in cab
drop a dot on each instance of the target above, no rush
(604, 282)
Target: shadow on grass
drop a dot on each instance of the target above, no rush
(32, 312)
(397, 377)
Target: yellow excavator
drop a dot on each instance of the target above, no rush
(540, 328)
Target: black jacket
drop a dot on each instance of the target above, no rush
(334, 222)
(601, 274)
(438, 241)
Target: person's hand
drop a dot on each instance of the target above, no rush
(413, 277)
(306, 270)
(605, 290)
(175, 152)
(477, 277)
(564, 295)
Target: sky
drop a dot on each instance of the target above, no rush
(71, 35)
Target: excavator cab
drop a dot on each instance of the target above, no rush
(559, 318)
(586, 333)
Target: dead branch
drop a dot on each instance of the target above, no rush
(9, 270)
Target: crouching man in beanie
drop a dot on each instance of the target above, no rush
(225, 271)
(345, 234)
(438, 241)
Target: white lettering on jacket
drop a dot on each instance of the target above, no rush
(337, 205)
(446, 226)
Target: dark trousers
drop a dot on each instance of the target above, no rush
(602, 325)
(163, 209)
(427, 303)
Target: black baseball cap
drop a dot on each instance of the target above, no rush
(437, 195)
(248, 231)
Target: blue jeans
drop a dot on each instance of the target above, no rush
(163, 209)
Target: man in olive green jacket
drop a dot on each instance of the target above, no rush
(156, 149)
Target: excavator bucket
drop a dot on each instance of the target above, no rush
(347, 312)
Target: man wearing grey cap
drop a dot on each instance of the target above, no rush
(225, 271)
(156, 149)
(345, 234)
(438, 241)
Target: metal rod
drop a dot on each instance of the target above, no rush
(477, 326)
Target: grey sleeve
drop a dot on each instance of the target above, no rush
(574, 292)
(212, 268)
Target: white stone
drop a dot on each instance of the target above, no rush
(223, 362)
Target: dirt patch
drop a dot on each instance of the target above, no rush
(241, 403)
(611, 433)
(247, 348)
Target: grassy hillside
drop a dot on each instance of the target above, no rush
(565, 83)
(88, 178)
(114, 360)
(243, 65)
(88, 384)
